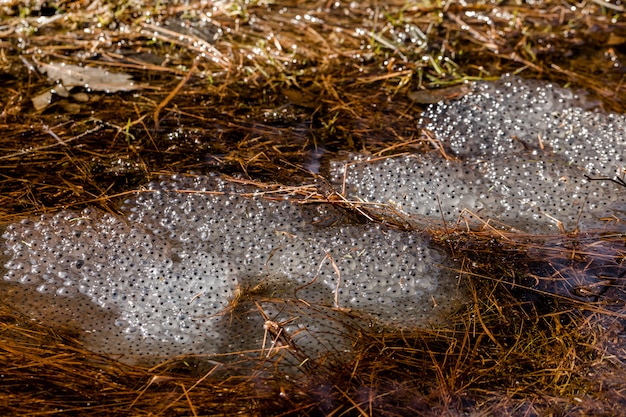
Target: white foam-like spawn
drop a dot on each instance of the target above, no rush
(519, 154)
(173, 275)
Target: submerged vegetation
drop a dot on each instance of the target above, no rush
(267, 92)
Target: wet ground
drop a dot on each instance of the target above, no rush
(100, 98)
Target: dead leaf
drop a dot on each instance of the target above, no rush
(92, 78)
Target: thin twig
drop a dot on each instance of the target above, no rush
(173, 94)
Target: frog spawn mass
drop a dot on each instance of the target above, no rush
(518, 154)
(195, 267)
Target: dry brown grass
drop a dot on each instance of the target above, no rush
(230, 92)
(233, 94)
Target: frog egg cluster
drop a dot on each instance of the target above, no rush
(536, 148)
(524, 157)
(516, 116)
(98, 259)
(544, 193)
(427, 187)
(177, 272)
